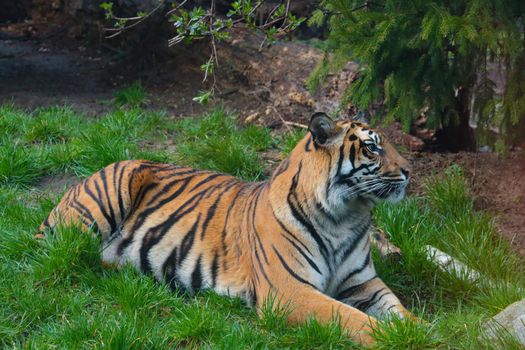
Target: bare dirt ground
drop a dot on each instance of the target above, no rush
(498, 186)
(265, 87)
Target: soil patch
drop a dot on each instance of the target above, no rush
(36, 74)
(57, 184)
(498, 186)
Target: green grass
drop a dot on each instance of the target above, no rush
(215, 142)
(131, 96)
(55, 292)
(289, 140)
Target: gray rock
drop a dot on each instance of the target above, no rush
(485, 149)
(511, 320)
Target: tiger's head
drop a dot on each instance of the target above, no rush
(341, 162)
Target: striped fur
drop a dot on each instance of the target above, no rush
(301, 236)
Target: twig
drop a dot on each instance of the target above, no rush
(298, 125)
(239, 20)
(206, 70)
(139, 19)
(282, 119)
(286, 11)
(262, 43)
(213, 36)
(176, 8)
(269, 17)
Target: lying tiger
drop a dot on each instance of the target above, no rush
(300, 236)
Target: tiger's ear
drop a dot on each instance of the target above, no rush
(322, 128)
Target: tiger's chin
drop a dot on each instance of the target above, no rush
(396, 195)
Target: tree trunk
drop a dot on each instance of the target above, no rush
(457, 135)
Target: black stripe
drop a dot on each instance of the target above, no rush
(156, 233)
(187, 241)
(141, 217)
(82, 209)
(365, 264)
(348, 292)
(205, 180)
(307, 144)
(288, 232)
(196, 275)
(352, 155)
(325, 213)
(82, 217)
(213, 208)
(97, 200)
(255, 202)
(104, 179)
(124, 244)
(361, 231)
(209, 215)
(341, 157)
(131, 177)
(176, 256)
(373, 302)
(306, 257)
(177, 174)
(328, 178)
(214, 268)
(169, 267)
(166, 188)
(290, 271)
(118, 188)
(246, 212)
(299, 214)
(224, 231)
(349, 176)
(263, 271)
(363, 304)
(144, 189)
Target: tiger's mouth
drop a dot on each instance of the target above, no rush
(392, 191)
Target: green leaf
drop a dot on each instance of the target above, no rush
(203, 97)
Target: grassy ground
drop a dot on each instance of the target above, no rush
(56, 293)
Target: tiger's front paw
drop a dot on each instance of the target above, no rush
(410, 316)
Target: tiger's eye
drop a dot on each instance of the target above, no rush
(372, 147)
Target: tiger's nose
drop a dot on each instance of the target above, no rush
(405, 172)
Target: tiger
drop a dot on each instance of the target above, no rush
(301, 236)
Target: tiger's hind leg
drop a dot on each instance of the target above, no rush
(103, 200)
